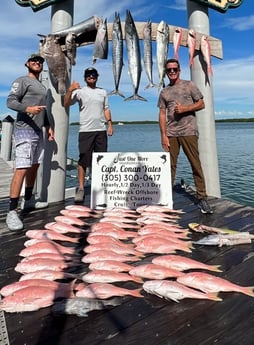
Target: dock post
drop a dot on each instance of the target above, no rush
(199, 21)
(6, 140)
(54, 165)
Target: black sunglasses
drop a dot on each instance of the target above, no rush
(172, 69)
(36, 60)
(92, 75)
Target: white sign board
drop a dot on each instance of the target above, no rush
(130, 179)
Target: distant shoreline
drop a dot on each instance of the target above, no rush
(156, 122)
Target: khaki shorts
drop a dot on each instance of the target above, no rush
(29, 148)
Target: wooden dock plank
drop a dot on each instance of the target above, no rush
(149, 320)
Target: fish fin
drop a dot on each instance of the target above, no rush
(209, 70)
(137, 279)
(76, 285)
(248, 290)
(195, 227)
(227, 231)
(216, 268)
(213, 296)
(74, 240)
(150, 86)
(116, 92)
(135, 97)
(140, 255)
(161, 85)
(96, 215)
(136, 293)
(172, 299)
(72, 287)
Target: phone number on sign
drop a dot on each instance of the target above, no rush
(130, 178)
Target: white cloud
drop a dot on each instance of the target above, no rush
(178, 5)
(232, 79)
(239, 23)
(234, 84)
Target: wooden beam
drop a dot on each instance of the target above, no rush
(216, 44)
(88, 37)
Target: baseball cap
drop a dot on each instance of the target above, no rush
(35, 56)
(89, 71)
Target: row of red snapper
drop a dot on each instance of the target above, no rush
(122, 245)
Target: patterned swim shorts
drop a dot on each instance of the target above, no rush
(29, 147)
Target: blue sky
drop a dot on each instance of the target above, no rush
(233, 77)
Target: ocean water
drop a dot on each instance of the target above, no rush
(235, 147)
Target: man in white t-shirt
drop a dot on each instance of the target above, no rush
(94, 112)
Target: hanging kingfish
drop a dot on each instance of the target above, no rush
(162, 39)
(148, 56)
(117, 53)
(133, 52)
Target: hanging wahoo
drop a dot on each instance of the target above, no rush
(206, 52)
(133, 53)
(162, 39)
(148, 56)
(51, 50)
(101, 42)
(117, 53)
(191, 43)
(177, 38)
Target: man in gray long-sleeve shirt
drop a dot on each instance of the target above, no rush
(28, 98)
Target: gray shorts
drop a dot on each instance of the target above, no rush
(29, 147)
